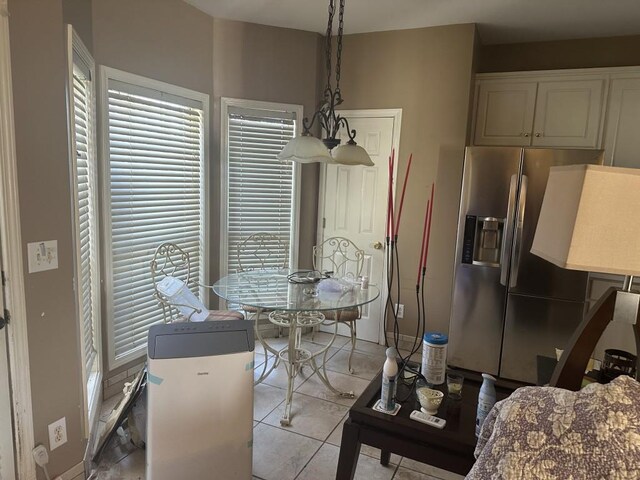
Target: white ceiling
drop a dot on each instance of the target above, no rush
(499, 21)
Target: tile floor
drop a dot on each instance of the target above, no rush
(312, 442)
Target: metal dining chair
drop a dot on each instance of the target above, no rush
(171, 277)
(341, 258)
(261, 251)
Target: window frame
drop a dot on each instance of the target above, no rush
(258, 106)
(105, 75)
(91, 381)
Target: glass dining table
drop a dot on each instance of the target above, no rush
(294, 301)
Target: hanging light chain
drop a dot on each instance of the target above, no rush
(339, 52)
(332, 11)
(329, 119)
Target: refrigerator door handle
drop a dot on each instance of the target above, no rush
(507, 236)
(517, 243)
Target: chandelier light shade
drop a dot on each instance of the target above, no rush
(352, 154)
(306, 148)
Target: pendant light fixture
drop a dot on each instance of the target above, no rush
(309, 149)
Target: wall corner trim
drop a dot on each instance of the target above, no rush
(12, 254)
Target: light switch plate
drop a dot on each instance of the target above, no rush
(42, 255)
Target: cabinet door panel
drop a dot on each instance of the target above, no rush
(568, 113)
(622, 141)
(505, 113)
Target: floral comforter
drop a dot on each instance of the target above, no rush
(551, 433)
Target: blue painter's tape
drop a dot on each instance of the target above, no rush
(249, 366)
(153, 379)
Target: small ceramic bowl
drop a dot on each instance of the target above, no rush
(429, 399)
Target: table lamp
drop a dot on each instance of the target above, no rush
(590, 220)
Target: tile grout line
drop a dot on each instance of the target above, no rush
(309, 461)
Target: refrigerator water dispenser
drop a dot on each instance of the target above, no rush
(482, 243)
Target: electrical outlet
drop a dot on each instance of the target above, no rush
(42, 255)
(57, 433)
(400, 310)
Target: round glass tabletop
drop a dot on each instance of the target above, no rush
(272, 290)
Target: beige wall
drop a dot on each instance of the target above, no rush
(584, 53)
(78, 14)
(259, 62)
(428, 73)
(38, 64)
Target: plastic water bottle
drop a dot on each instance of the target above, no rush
(389, 376)
(486, 400)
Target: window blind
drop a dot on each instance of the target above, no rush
(156, 191)
(85, 164)
(260, 188)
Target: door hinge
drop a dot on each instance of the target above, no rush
(324, 222)
(4, 279)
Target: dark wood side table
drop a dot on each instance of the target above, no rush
(450, 448)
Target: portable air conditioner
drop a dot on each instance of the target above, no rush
(200, 401)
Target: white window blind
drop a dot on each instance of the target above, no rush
(260, 188)
(86, 255)
(156, 195)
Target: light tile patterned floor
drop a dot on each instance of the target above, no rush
(312, 442)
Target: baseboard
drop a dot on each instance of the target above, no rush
(405, 342)
(74, 473)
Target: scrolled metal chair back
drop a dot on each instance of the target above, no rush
(340, 256)
(169, 260)
(261, 251)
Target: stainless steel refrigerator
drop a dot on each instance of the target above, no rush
(509, 306)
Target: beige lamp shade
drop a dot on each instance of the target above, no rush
(590, 219)
(352, 154)
(305, 149)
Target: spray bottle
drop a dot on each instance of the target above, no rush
(389, 377)
(486, 400)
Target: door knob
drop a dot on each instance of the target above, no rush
(377, 245)
(538, 134)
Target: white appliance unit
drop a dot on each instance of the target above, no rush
(200, 401)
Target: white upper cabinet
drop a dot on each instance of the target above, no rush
(568, 113)
(505, 113)
(622, 130)
(540, 109)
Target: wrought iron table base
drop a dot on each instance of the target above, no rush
(295, 321)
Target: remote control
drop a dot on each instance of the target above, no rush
(419, 416)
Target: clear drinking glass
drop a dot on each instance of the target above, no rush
(454, 385)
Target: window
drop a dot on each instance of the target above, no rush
(155, 138)
(84, 184)
(260, 193)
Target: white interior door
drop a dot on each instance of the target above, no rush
(353, 205)
(7, 468)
